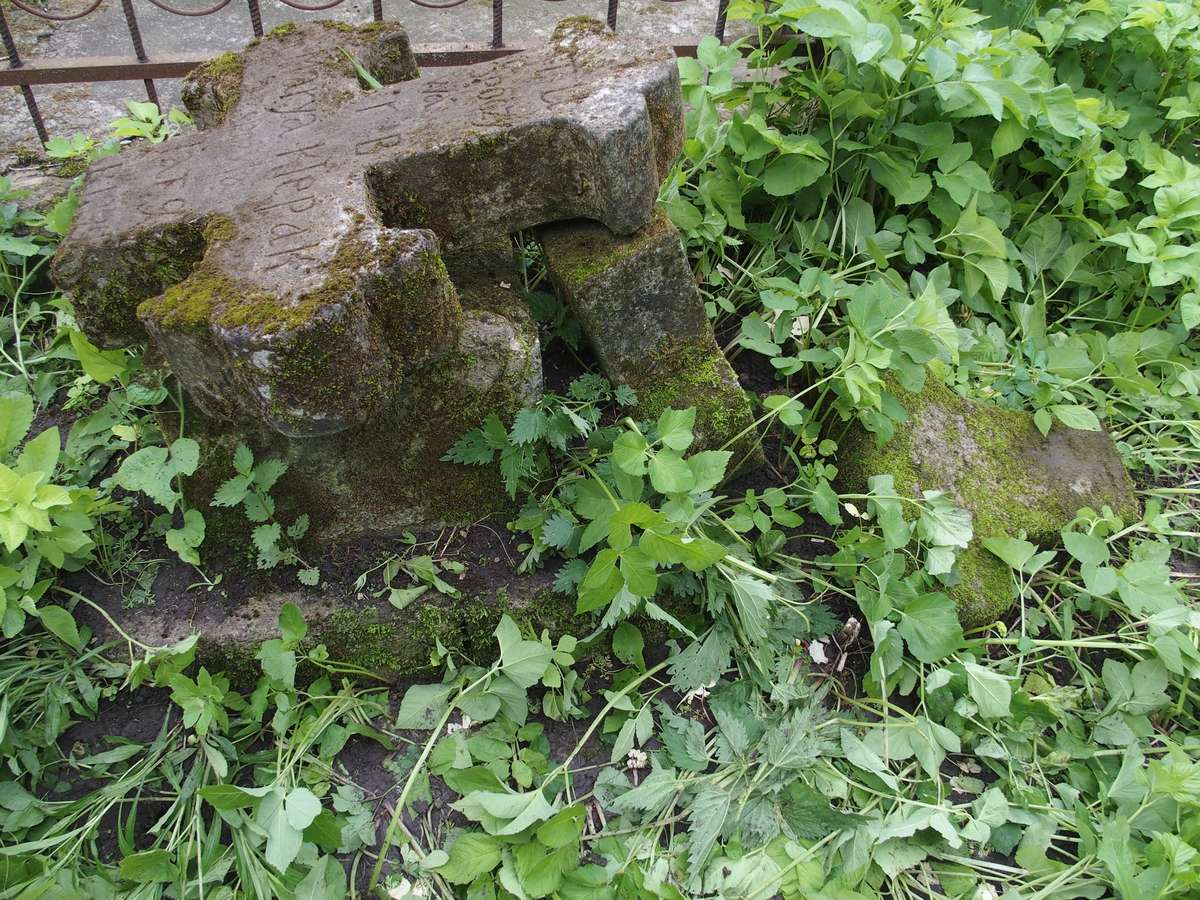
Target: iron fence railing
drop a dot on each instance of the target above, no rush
(25, 73)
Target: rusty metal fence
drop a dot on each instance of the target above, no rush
(25, 73)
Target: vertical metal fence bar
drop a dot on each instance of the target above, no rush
(722, 8)
(497, 23)
(14, 62)
(612, 14)
(377, 10)
(136, 35)
(255, 18)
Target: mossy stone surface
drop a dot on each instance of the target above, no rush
(639, 307)
(995, 463)
(320, 78)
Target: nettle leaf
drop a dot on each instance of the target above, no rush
(754, 601)
(243, 460)
(708, 811)
(232, 491)
(528, 426)
(266, 540)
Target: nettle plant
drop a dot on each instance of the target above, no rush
(551, 425)
(250, 489)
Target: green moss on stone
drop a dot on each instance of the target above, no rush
(213, 88)
(583, 252)
(996, 464)
(143, 267)
(698, 374)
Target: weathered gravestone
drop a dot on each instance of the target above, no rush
(290, 260)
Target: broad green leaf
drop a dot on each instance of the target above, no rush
(523, 661)
(1076, 417)
(292, 627)
(627, 644)
(471, 855)
(505, 813)
(708, 468)
(62, 624)
(675, 427)
(100, 365)
(602, 581)
(990, 690)
(423, 705)
(148, 867)
(930, 627)
(301, 807)
(16, 415)
(670, 474)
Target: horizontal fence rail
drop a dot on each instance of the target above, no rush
(25, 73)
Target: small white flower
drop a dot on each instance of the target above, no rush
(637, 759)
(464, 725)
(816, 649)
(700, 693)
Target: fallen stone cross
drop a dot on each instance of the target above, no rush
(290, 259)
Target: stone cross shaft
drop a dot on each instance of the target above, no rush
(287, 259)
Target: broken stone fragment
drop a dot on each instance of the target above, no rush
(320, 76)
(637, 302)
(994, 463)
